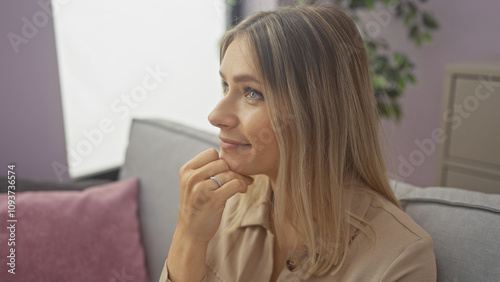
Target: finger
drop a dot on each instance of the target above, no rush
(213, 184)
(210, 169)
(229, 175)
(202, 159)
(213, 168)
(210, 185)
(230, 189)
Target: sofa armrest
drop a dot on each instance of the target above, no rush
(156, 151)
(23, 185)
(465, 227)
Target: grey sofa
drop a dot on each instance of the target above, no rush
(465, 225)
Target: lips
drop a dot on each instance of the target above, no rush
(230, 144)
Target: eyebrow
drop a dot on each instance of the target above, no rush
(242, 78)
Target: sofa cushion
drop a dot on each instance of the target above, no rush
(156, 151)
(465, 227)
(89, 235)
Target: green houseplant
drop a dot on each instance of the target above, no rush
(390, 71)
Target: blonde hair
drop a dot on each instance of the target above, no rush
(314, 69)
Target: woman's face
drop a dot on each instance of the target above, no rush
(247, 140)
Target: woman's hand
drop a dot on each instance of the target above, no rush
(201, 199)
(201, 203)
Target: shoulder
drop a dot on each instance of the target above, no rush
(398, 248)
(391, 221)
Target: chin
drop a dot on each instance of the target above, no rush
(239, 164)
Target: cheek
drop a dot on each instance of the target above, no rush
(261, 131)
(265, 144)
(264, 139)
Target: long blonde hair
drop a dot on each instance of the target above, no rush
(315, 77)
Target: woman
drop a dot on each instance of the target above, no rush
(299, 190)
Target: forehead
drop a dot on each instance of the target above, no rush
(238, 59)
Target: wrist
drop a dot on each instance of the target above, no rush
(186, 258)
(188, 240)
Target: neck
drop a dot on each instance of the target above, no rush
(272, 179)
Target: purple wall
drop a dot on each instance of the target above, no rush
(31, 124)
(31, 120)
(468, 30)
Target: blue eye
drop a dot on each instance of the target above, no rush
(254, 94)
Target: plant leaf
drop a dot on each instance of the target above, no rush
(411, 78)
(379, 81)
(429, 20)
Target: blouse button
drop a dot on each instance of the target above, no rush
(292, 264)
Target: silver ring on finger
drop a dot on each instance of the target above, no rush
(216, 180)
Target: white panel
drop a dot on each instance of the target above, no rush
(471, 182)
(123, 59)
(475, 125)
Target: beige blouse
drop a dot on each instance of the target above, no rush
(403, 251)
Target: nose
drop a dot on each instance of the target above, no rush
(224, 115)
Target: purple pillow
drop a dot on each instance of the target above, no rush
(89, 235)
